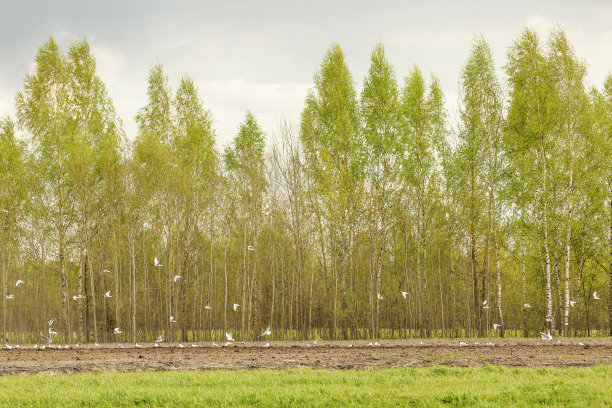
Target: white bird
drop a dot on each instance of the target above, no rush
(159, 339)
(194, 345)
(9, 296)
(377, 344)
(4, 211)
(546, 336)
(19, 282)
(176, 278)
(558, 341)
(490, 344)
(172, 319)
(181, 345)
(227, 344)
(421, 343)
(138, 345)
(573, 303)
(52, 331)
(236, 306)
(117, 331)
(380, 297)
(496, 326)
(404, 294)
(311, 344)
(485, 304)
(105, 271)
(79, 296)
(266, 332)
(580, 343)
(595, 295)
(120, 345)
(462, 344)
(107, 294)
(156, 262)
(156, 345)
(477, 343)
(267, 344)
(47, 338)
(526, 305)
(52, 320)
(215, 344)
(350, 345)
(96, 344)
(250, 248)
(42, 348)
(207, 305)
(9, 347)
(370, 344)
(35, 346)
(76, 345)
(229, 336)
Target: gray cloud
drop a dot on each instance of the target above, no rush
(262, 55)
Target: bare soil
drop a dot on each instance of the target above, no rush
(325, 354)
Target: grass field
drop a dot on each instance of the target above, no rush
(490, 386)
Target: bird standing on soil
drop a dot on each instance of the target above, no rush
(462, 344)
(267, 344)
(546, 336)
(138, 345)
(311, 344)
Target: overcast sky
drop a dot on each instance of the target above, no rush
(262, 55)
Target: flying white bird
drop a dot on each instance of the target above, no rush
(172, 319)
(485, 304)
(380, 297)
(107, 294)
(267, 344)
(138, 345)
(229, 336)
(9, 296)
(176, 278)
(156, 262)
(159, 339)
(573, 303)
(266, 332)
(105, 271)
(236, 306)
(19, 282)
(47, 338)
(496, 326)
(526, 305)
(404, 294)
(117, 331)
(79, 296)
(52, 320)
(52, 331)
(546, 336)
(595, 295)
(462, 344)
(207, 307)
(250, 248)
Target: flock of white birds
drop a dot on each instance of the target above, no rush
(229, 336)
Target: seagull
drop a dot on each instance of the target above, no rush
(250, 248)
(207, 305)
(485, 305)
(120, 345)
(172, 319)
(76, 345)
(117, 331)
(462, 344)
(156, 262)
(96, 344)
(595, 295)
(236, 305)
(181, 345)
(215, 344)
(194, 345)
(52, 331)
(9, 347)
(266, 332)
(156, 345)
(176, 278)
(107, 294)
(477, 343)
(558, 341)
(421, 343)
(227, 344)
(52, 320)
(35, 346)
(79, 296)
(159, 339)
(229, 336)
(19, 282)
(311, 344)
(380, 297)
(404, 294)
(370, 344)
(9, 296)
(546, 336)
(377, 344)
(573, 303)
(350, 345)
(267, 344)
(490, 344)
(47, 338)
(580, 343)
(105, 271)
(138, 345)
(526, 305)
(496, 326)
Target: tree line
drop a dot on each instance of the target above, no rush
(375, 217)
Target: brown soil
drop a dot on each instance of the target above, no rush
(325, 354)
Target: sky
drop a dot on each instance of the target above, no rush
(261, 56)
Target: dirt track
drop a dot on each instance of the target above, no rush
(325, 354)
